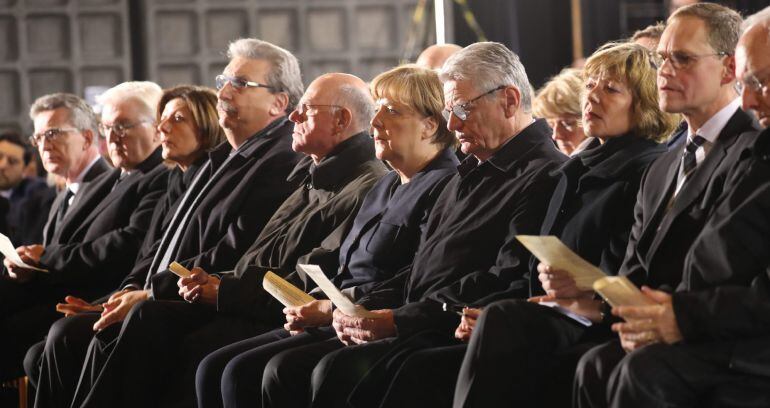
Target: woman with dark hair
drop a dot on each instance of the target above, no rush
(188, 127)
(411, 135)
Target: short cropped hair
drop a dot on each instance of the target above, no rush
(632, 64)
(723, 24)
(202, 103)
(284, 75)
(359, 102)
(560, 96)
(420, 89)
(654, 31)
(81, 115)
(146, 93)
(488, 65)
(13, 137)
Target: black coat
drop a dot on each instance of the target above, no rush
(724, 295)
(308, 227)
(661, 236)
(237, 206)
(592, 207)
(101, 234)
(469, 253)
(29, 205)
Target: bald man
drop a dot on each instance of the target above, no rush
(752, 67)
(434, 56)
(331, 125)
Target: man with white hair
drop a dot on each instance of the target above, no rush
(92, 237)
(468, 253)
(224, 209)
(752, 66)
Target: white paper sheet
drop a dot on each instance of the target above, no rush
(334, 294)
(7, 249)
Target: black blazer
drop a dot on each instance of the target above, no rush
(241, 201)
(30, 204)
(661, 236)
(725, 290)
(50, 228)
(592, 207)
(101, 234)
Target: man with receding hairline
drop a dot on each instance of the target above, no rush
(434, 56)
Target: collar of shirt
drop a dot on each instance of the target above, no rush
(506, 156)
(711, 129)
(6, 193)
(75, 185)
(334, 169)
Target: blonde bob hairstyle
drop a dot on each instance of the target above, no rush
(419, 89)
(631, 64)
(560, 96)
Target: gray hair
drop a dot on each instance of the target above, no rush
(147, 93)
(489, 65)
(81, 115)
(360, 103)
(760, 17)
(285, 74)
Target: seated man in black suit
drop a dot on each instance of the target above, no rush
(91, 236)
(680, 191)
(707, 343)
(28, 199)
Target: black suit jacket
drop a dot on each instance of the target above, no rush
(725, 290)
(30, 204)
(661, 236)
(101, 234)
(50, 229)
(240, 202)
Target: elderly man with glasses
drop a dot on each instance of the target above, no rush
(468, 252)
(227, 204)
(96, 224)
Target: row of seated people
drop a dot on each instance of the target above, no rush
(429, 247)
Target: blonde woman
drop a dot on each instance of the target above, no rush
(558, 102)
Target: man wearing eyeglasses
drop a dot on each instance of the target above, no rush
(468, 253)
(753, 67)
(679, 192)
(226, 206)
(65, 129)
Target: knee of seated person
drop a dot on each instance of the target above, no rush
(275, 368)
(588, 367)
(32, 361)
(507, 310)
(648, 362)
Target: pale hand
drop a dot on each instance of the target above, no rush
(312, 314)
(199, 287)
(358, 330)
(647, 324)
(467, 323)
(73, 305)
(117, 307)
(29, 254)
(558, 283)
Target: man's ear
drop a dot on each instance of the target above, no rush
(728, 74)
(280, 104)
(343, 118)
(512, 100)
(89, 137)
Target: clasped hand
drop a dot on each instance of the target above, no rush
(29, 254)
(312, 314)
(647, 324)
(199, 287)
(359, 330)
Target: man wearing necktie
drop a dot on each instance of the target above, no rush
(97, 224)
(680, 190)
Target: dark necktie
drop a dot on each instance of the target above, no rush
(63, 207)
(689, 161)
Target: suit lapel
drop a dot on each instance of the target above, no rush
(702, 176)
(90, 194)
(50, 225)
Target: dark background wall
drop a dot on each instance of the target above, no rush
(540, 31)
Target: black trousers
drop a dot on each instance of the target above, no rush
(232, 375)
(150, 359)
(54, 365)
(522, 354)
(679, 375)
(26, 312)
